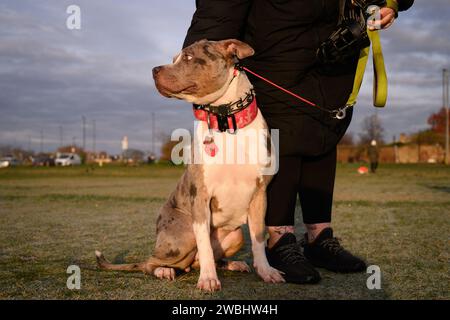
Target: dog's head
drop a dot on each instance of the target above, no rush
(201, 72)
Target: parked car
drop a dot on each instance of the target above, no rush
(43, 161)
(8, 161)
(68, 159)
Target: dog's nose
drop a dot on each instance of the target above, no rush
(156, 70)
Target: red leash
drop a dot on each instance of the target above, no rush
(279, 87)
(336, 113)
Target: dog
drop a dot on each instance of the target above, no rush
(200, 224)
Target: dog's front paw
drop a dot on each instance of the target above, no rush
(269, 274)
(209, 283)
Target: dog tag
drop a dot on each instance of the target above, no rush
(211, 148)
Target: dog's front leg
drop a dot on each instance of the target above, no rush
(208, 280)
(257, 213)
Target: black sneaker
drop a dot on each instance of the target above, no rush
(286, 256)
(326, 252)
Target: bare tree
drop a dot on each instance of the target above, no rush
(347, 140)
(372, 129)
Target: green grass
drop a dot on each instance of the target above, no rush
(51, 218)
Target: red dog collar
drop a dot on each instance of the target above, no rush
(234, 121)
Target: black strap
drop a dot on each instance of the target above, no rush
(225, 111)
(341, 11)
(229, 108)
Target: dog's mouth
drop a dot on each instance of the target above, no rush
(169, 92)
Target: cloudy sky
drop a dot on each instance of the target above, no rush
(51, 76)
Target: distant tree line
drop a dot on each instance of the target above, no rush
(372, 129)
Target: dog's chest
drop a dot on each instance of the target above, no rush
(231, 189)
(235, 171)
(231, 183)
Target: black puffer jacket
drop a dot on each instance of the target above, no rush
(285, 35)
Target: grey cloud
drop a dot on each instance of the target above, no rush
(50, 76)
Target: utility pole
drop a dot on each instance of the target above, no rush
(60, 136)
(83, 118)
(394, 142)
(445, 105)
(153, 134)
(418, 147)
(94, 137)
(41, 149)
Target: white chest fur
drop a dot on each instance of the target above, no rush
(231, 176)
(232, 173)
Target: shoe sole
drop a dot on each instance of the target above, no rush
(311, 279)
(308, 280)
(336, 270)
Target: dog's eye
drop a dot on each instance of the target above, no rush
(187, 57)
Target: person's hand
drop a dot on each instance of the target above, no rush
(387, 18)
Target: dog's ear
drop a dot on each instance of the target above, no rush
(236, 48)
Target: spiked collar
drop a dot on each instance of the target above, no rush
(231, 116)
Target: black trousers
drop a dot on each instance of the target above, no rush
(312, 179)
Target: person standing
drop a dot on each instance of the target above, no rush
(286, 36)
(373, 154)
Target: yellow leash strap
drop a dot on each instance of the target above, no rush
(380, 84)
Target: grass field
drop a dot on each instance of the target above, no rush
(51, 218)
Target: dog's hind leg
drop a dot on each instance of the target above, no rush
(225, 244)
(175, 243)
(239, 266)
(164, 273)
(175, 247)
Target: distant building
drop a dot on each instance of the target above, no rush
(98, 158)
(407, 153)
(133, 156)
(124, 143)
(404, 138)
